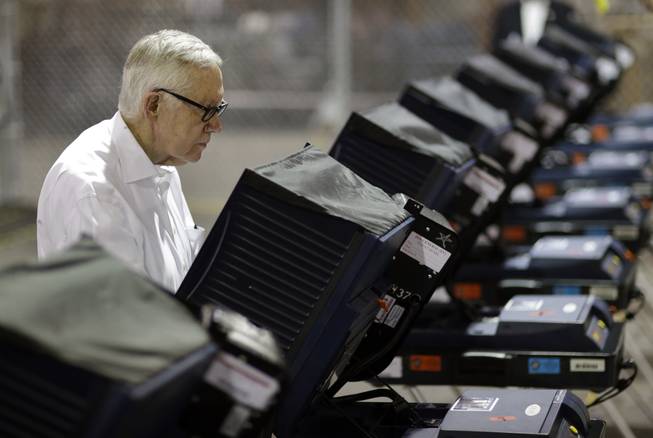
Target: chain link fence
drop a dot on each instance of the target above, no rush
(277, 54)
(280, 58)
(9, 105)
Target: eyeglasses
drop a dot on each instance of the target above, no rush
(209, 111)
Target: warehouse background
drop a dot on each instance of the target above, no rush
(294, 69)
(291, 67)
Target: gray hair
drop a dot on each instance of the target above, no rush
(161, 60)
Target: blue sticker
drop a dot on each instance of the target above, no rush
(566, 290)
(597, 231)
(543, 365)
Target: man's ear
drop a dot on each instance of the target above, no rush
(151, 105)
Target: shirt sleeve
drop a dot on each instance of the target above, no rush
(106, 223)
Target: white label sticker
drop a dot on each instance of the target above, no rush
(605, 292)
(587, 365)
(395, 370)
(524, 305)
(484, 184)
(533, 410)
(475, 404)
(625, 232)
(642, 189)
(394, 316)
(427, 252)
(242, 381)
(234, 422)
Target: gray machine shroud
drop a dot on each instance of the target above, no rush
(125, 327)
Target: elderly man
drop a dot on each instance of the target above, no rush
(117, 181)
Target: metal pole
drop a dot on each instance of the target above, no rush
(10, 116)
(334, 108)
(342, 54)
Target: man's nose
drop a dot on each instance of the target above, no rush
(214, 125)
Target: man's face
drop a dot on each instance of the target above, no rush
(179, 132)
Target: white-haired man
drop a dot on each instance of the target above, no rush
(117, 181)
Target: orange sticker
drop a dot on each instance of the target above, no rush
(630, 256)
(543, 312)
(467, 291)
(383, 304)
(600, 133)
(427, 363)
(503, 418)
(578, 158)
(513, 233)
(545, 190)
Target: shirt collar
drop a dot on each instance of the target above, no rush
(135, 163)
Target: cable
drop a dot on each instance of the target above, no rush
(353, 370)
(367, 395)
(416, 419)
(399, 403)
(640, 299)
(621, 385)
(330, 402)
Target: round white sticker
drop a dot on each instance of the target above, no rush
(533, 410)
(569, 308)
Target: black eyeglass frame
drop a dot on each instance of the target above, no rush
(209, 111)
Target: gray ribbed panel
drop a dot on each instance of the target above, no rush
(393, 171)
(272, 268)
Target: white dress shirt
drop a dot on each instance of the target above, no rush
(104, 185)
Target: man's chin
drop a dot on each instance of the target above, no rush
(173, 161)
(180, 161)
(194, 158)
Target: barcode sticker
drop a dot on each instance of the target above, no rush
(608, 293)
(394, 316)
(587, 365)
(625, 232)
